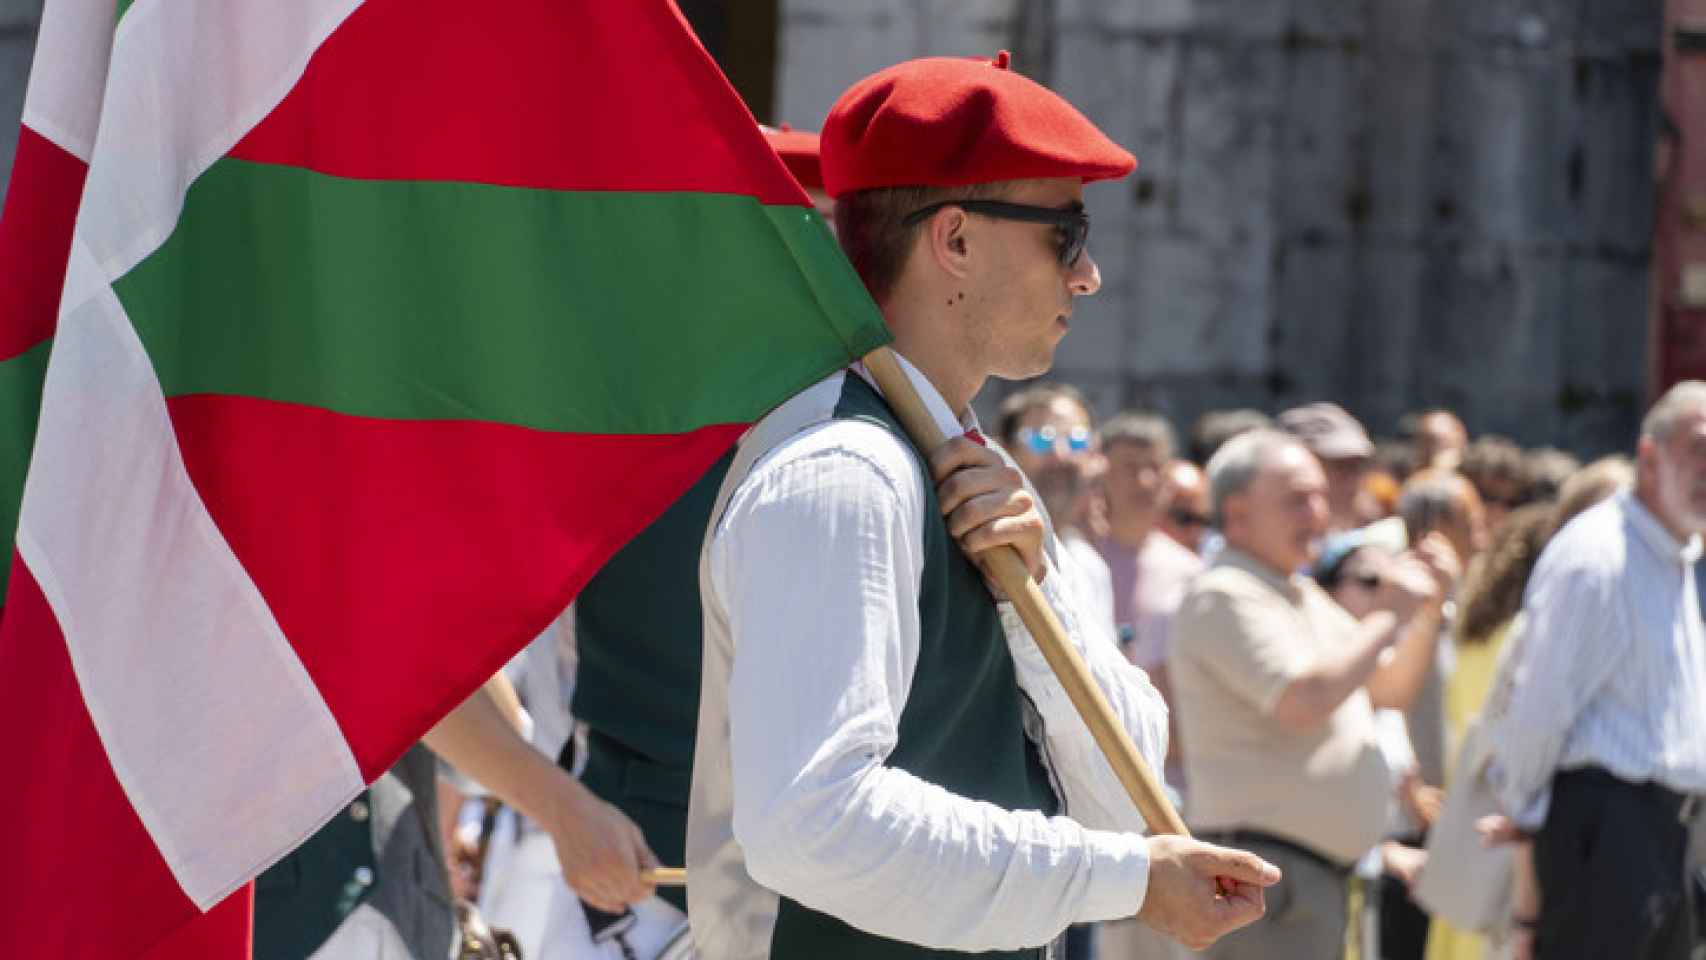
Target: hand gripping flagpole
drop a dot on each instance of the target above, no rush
(1011, 575)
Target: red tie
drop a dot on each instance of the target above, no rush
(976, 437)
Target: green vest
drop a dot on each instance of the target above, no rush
(962, 727)
(638, 635)
(381, 853)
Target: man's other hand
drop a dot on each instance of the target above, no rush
(1185, 900)
(986, 502)
(600, 850)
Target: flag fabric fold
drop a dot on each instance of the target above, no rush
(383, 326)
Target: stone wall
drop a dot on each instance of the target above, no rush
(1390, 203)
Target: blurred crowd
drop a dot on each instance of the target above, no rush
(1336, 623)
(1391, 666)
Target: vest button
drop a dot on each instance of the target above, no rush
(358, 811)
(364, 876)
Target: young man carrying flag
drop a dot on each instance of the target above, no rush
(885, 765)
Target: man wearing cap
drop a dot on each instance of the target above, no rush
(1343, 447)
(885, 766)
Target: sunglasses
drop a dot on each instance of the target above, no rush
(1188, 518)
(1072, 221)
(1047, 439)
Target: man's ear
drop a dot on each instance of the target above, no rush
(1647, 456)
(946, 236)
(1232, 511)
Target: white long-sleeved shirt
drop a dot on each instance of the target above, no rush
(810, 581)
(1612, 668)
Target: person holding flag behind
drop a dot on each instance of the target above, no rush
(885, 766)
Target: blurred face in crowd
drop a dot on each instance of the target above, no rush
(1051, 435)
(1186, 492)
(1135, 484)
(1499, 496)
(1463, 523)
(1465, 527)
(1054, 445)
(1360, 577)
(1675, 469)
(1440, 439)
(1344, 485)
(1280, 518)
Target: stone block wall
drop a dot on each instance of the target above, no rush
(1389, 203)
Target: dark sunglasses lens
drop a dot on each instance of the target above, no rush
(1186, 518)
(1072, 240)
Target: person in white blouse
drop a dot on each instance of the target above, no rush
(1602, 751)
(885, 766)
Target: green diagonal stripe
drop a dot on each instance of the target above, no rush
(20, 404)
(591, 312)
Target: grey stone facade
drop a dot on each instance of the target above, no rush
(1389, 203)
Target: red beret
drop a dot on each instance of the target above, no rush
(950, 122)
(798, 150)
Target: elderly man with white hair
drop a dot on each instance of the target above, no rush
(1603, 748)
(1273, 694)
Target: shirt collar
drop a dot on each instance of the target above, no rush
(1653, 533)
(1233, 557)
(950, 425)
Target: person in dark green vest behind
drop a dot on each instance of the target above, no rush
(371, 883)
(885, 766)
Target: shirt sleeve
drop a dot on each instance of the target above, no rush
(1093, 794)
(1245, 642)
(824, 613)
(1571, 644)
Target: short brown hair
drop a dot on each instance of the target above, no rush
(871, 227)
(1491, 459)
(1493, 588)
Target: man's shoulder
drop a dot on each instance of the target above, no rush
(1224, 580)
(1221, 597)
(1591, 545)
(810, 428)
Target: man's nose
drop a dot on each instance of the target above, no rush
(1086, 277)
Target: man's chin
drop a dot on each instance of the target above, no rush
(1028, 370)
